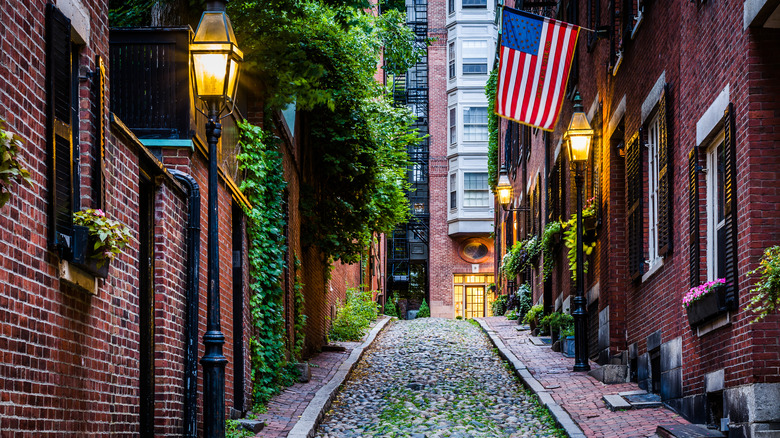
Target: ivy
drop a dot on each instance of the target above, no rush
(766, 286)
(300, 317)
(570, 239)
(263, 187)
(551, 230)
(11, 169)
(492, 159)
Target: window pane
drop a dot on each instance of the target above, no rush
(453, 191)
(475, 181)
(474, 3)
(475, 190)
(475, 124)
(453, 124)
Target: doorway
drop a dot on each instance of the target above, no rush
(471, 295)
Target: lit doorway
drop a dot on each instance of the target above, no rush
(471, 295)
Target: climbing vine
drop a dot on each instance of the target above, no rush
(300, 317)
(263, 187)
(490, 92)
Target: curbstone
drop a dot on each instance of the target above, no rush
(315, 411)
(562, 417)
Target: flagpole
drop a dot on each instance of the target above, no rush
(541, 16)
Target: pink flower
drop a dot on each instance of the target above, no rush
(99, 213)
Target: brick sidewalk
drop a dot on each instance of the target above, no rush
(579, 394)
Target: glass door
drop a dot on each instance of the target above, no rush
(475, 301)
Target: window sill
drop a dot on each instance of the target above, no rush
(654, 267)
(78, 278)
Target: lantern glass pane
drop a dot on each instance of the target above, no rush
(232, 79)
(579, 146)
(504, 195)
(210, 69)
(212, 28)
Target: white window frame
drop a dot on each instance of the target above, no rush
(453, 126)
(465, 125)
(452, 61)
(464, 52)
(653, 138)
(713, 225)
(486, 190)
(453, 191)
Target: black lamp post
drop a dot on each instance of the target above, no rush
(215, 60)
(578, 139)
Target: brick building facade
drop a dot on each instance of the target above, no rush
(83, 355)
(683, 99)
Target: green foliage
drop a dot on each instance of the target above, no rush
(425, 311)
(767, 286)
(354, 317)
(521, 256)
(263, 187)
(499, 305)
(400, 52)
(110, 236)
(300, 317)
(11, 170)
(557, 321)
(391, 308)
(524, 300)
(552, 229)
(533, 314)
(233, 429)
(570, 239)
(492, 159)
(459, 317)
(511, 315)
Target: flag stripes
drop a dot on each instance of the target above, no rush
(531, 83)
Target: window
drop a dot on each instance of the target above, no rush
(716, 210)
(475, 3)
(451, 6)
(453, 191)
(653, 141)
(475, 57)
(475, 190)
(452, 60)
(475, 124)
(453, 126)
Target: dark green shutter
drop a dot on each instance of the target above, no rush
(634, 213)
(59, 132)
(665, 166)
(730, 179)
(693, 217)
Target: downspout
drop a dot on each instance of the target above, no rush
(192, 299)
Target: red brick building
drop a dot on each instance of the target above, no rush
(108, 121)
(683, 99)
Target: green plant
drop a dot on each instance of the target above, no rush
(521, 256)
(767, 286)
(533, 313)
(390, 306)
(570, 239)
(264, 186)
(551, 230)
(300, 317)
(425, 311)
(557, 321)
(110, 236)
(354, 317)
(459, 317)
(11, 169)
(524, 300)
(567, 331)
(492, 159)
(499, 305)
(511, 315)
(233, 429)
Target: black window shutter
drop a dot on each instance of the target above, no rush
(634, 203)
(665, 166)
(730, 177)
(60, 160)
(508, 163)
(693, 216)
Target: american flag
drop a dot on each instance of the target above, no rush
(536, 54)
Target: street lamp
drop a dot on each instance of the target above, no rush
(504, 192)
(578, 139)
(215, 60)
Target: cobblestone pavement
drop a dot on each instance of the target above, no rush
(433, 378)
(579, 394)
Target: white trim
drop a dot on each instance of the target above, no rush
(79, 19)
(557, 150)
(715, 324)
(713, 117)
(712, 205)
(593, 107)
(654, 267)
(616, 116)
(653, 166)
(653, 97)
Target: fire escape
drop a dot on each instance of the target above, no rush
(408, 244)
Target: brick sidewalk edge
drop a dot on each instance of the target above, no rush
(315, 411)
(562, 417)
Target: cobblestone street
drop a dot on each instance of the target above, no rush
(433, 378)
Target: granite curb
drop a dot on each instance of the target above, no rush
(561, 416)
(315, 411)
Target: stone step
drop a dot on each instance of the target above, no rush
(687, 431)
(616, 403)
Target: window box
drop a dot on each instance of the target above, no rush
(707, 307)
(82, 252)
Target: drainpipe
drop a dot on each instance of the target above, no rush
(192, 298)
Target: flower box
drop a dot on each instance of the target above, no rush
(82, 250)
(706, 307)
(589, 223)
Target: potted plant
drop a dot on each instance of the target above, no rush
(556, 321)
(532, 315)
(767, 287)
(11, 169)
(567, 337)
(97, 240)
(702, 302)
(589, 220)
